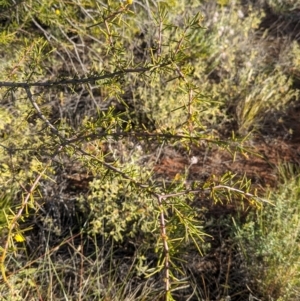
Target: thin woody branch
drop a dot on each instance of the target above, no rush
(84, 80)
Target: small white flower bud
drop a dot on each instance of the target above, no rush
(194, 160)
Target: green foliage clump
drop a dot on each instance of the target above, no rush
(282, 6)
(271, 243)
(19, 143)
(119, 210)
(236, 68)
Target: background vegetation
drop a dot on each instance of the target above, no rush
(95, 95)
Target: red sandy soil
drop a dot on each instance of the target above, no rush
(279, 143)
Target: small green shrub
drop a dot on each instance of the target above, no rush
(271, 243)
(119, 210)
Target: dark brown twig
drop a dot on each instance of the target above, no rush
(84, 80)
